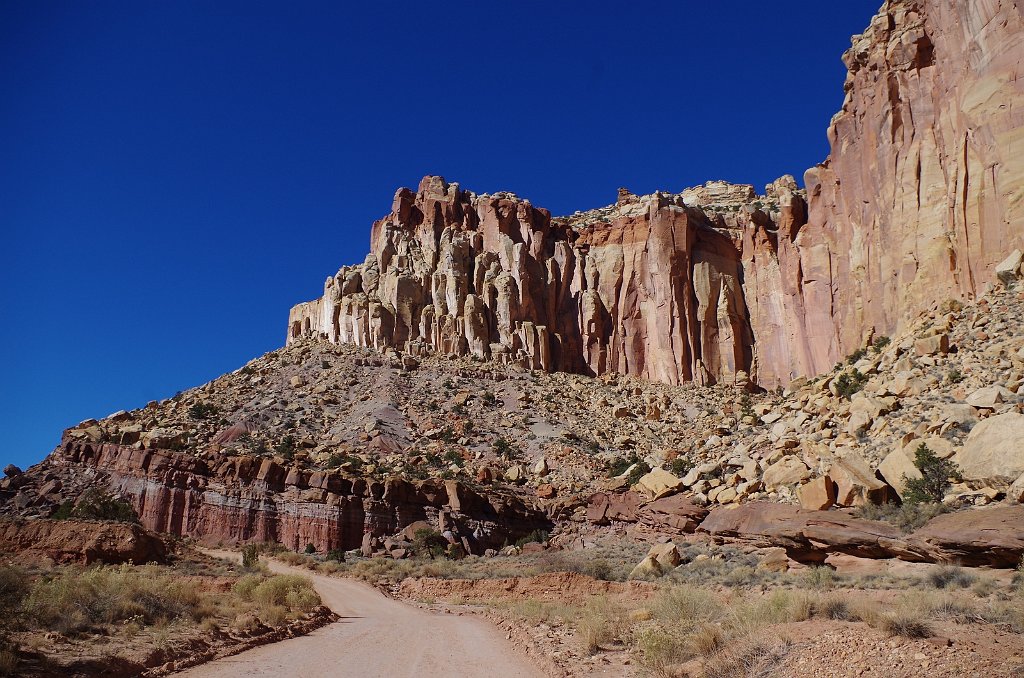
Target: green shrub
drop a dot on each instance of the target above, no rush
(250, 556)
(856, 355)
(936, 475)
(907, 517)
(95, 504)
(337, 555)
(202, 411)
(428, 542)
(286, 448)
(680, 466)
(850, 382)
(880, 343)
(310, 549)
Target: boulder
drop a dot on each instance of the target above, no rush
(989, 537)
(856, 483)
(659, 483)
(817, 494)
(667, 555)
(993, 452)
(673, 515)
(898, 467)
(786, 471)
(989, 397)
(647, 568)
(1010, 266)
(808, 536)
(937, 343)
(605, 507)
(11, 470)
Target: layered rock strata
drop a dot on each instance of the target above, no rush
(247, 499)
(919, 200)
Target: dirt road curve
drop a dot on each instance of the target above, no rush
(377, 637)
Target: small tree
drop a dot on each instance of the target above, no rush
(250, 556)
(310, 549)
(935, 480)
(428, 542)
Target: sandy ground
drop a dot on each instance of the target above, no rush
(377, 637)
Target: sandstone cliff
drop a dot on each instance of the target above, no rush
(924, 191)
(919, 200)
(651, 286)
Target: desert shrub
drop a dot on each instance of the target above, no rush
(684, 606)
(954, 376)
(202, 411)
(751, 658)
(596, 623)
(74, 601)
(503, 448)
(95, 504)
(680, 466)
(856, 355)
(428, 542)
(661, 648)
(935, 478)
(310, 549)
(819, 577)
(250, 556)
(907, 517)
(880, 343)
(14, 586)
(833, 607)
(286, 448)
(336, 555)
(949, 576)
(850, 382)
(539, 536)
(905, 624)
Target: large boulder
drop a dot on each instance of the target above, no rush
(817, 494)
(898, 467)
(994, 451)
(786, 471)
(673, 515)
(856, 484)
(659, 483)
(992, 537)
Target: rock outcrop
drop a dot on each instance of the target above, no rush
(650, 287)
(247, 499)
(919, 201)
(79, 541)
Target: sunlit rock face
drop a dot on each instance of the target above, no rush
(924, 191)
(920, 198)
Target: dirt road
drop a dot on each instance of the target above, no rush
(377, 637)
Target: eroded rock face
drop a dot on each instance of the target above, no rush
(921, 197)
(649, 287)
(919, 201)
(248, 499)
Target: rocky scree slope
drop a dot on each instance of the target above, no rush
(344, 447)
(918, 201)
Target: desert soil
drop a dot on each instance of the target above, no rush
(377, 637)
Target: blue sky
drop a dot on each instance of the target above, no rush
(175, 175)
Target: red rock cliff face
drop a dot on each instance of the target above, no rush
(250, 499)
(924, 191)
(922, 195)
(651, 286)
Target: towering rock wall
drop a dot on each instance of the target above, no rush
(922, 195)
(651, 286)
(924, 191)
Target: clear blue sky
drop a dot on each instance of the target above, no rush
(175, 175)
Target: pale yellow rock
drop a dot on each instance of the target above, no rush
(786, 471)
(659, 483)
(898, 466)
(856, 483)
(993, 451)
